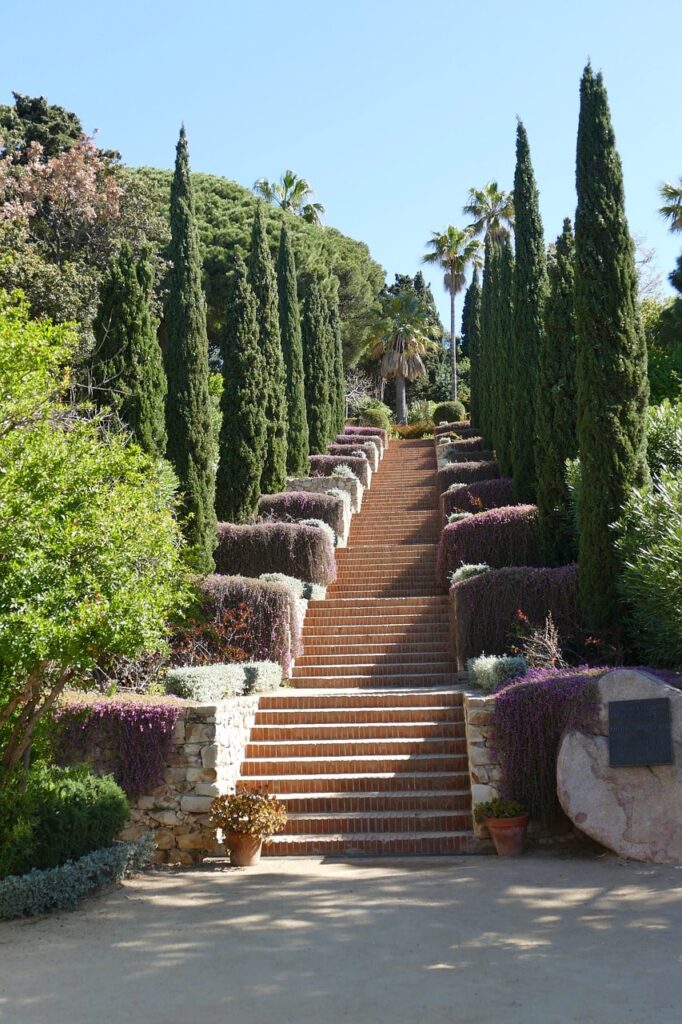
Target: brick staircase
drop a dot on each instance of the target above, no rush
(369, 752)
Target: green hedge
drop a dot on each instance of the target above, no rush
(209, 683)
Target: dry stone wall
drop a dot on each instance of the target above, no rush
(484, 769)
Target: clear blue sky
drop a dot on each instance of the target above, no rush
(390, 108)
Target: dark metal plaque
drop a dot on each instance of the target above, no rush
(640, 732)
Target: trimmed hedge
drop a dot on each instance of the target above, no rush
(373, 431)
(461, 428)
(467, 444)
(367, 447)
(352, 439)
(453, 455)
(465, 473)
(300, 551)
(499, 537)
(296, 505)
(209, 683)
(273, 628)
(477, 497)
(63, 887)
(448, 411)
(483, 607)
(324, 465)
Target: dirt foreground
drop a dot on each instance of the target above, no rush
(462, 940)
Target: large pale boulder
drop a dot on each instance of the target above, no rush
(637, 812)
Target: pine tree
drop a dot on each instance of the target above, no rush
(486, 366)
(262, 280)
(337, 383)
(188, 408)
(470, 311)
(315, 355)
(127, 369)
(502, 395)
(243, 427)
(292, 352)
(556, 410)
(611, 375)
(530, 288)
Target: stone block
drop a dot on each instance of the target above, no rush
(199, 804)
(480, 794)
(209, 755)
(197, 841)
(211, 789)
(164, 839)
(200, 774)
(199, 733)
(164, 817)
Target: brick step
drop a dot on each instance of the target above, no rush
(341, 719)
(387, 844)
(367, 629)
(379, 699)
(370, 782)
(346, 646)
(359, 682)
(314, 824)
(323, 733)
(355, 665)
(366, 803)
(363, 764)
(350, 625)
(330, 749)
(411, 658)
(379, 591)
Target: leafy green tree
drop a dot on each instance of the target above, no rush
(454, 250)
(530, 289)
(337, 385)
(188, 408)
(671, 210)
(314, 331)
(33, 119)
(243, 426)
(502, 373)
(611, 376)
(556, 439)
(492, 209)
(94, 566)
(264, 284)
(292, 351)
(127, 370)
(291, 193)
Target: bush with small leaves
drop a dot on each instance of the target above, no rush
(487, 671)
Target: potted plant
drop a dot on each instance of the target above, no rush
(507, 822)
(247, 819)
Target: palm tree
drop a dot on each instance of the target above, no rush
(492, 210)
(400, 336)
(291, 193)
(672, 204)
(455, 250)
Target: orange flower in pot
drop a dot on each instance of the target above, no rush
(247, 819)
(507, 822)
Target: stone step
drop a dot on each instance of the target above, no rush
(427, 844)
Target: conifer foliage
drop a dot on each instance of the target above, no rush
(611, 378)
(337, 380)
(502, 396)
(486, 369)
(243, 429)
(315, 330)
(127, 370)
(556, 417)
(530, 287)
(292, 351)
(188, 407)
(264, 284)
(471, 341)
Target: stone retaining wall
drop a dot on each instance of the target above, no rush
(484, 769)
(208, 749)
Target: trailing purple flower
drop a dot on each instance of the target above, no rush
(499, 537)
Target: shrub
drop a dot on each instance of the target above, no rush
(457, 517)
(378, 415)
(248, 812)
(298, 505)
(459, 427)
(466, 472)
(352, 439)
(483, 608)
(477, 497)
(366, 448)
(453, 455)
(664, 438)
(62, 813)
(649, 543)
(210, 683)
(137, 733)
(498, 809)
(499, 537)
(489, 670)
(301, 590)
(323, 465)
(448, 412)
(466, 572)
(62, 888)
(317, 524)
(381, 432)
(295, 550)
(421, 411)
(413, 431)
(468, 444)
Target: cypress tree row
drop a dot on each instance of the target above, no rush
(471, 339)
(127, 368)
(502, 377)
(314, 330)
(262, 280)
(486, 366)
(556, 411)
(337, 383)
(243, 426)
(530, 288)
(188, 408)
(611, 378)
(292, 353)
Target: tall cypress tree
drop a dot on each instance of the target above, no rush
(502, 395)
(243, 427)
(486, 367)
(471, 339)
(314, 330)
(188, 408)
(556, 439)
(337, 383)
(611, 379)
(262, 280)
(530, 289)
(292, 352)
(127, 369)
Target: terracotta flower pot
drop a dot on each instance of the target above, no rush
(244, 850)
(508, 834)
